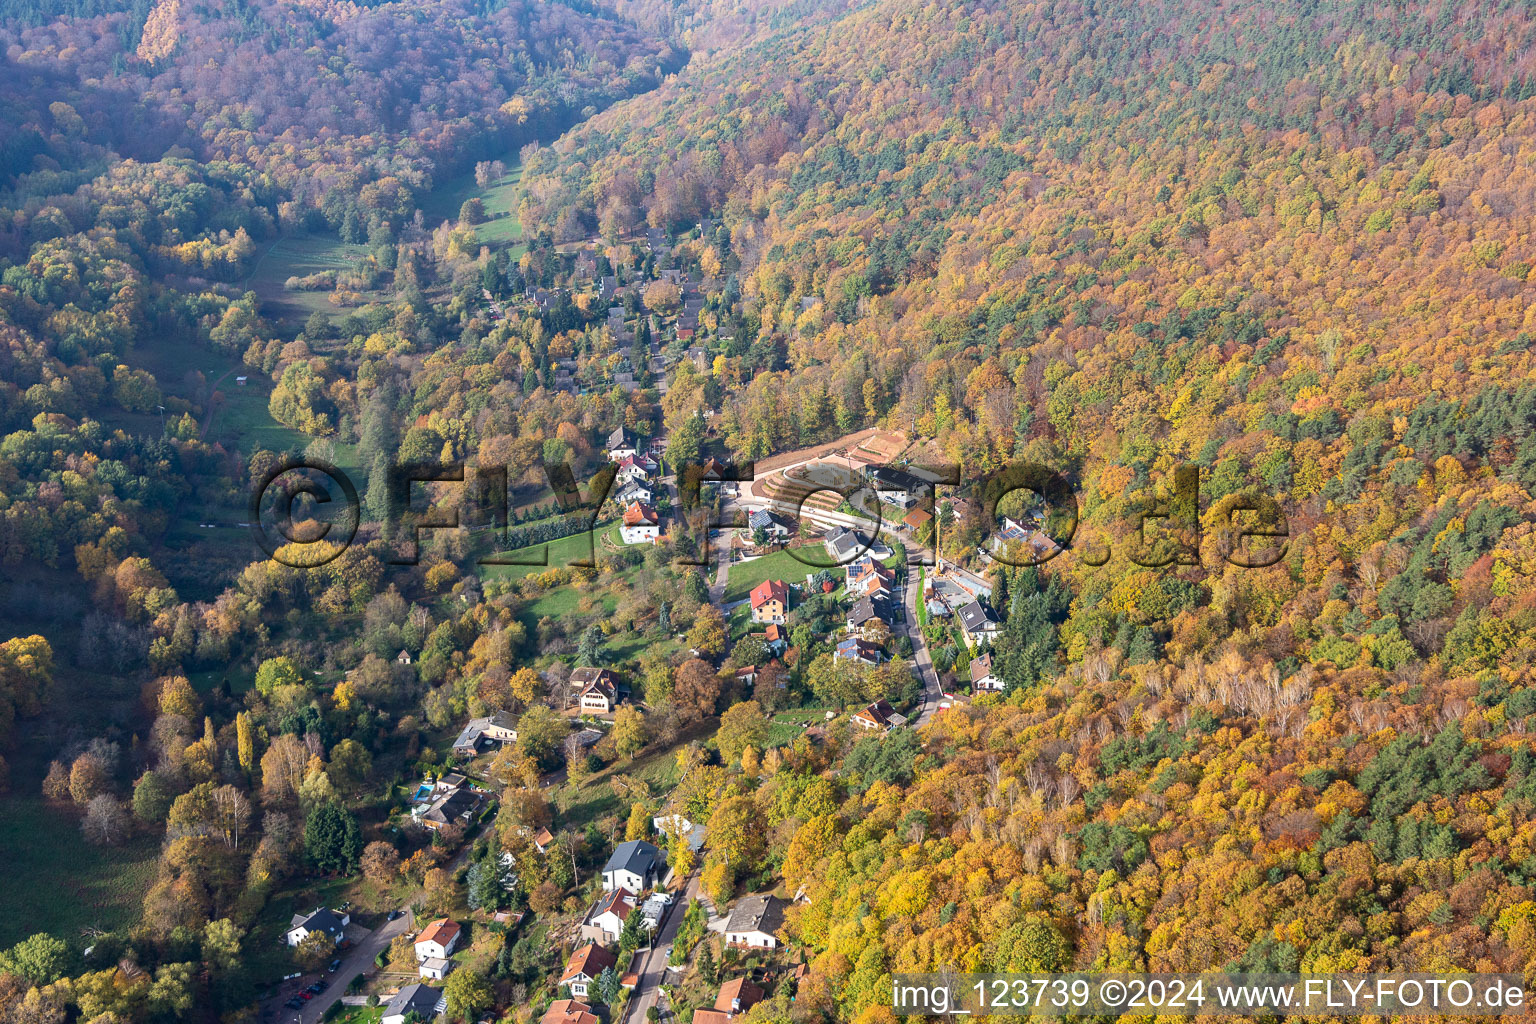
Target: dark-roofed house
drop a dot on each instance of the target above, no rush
(455, 808)
(597, 689)
(321, 919)
(977, 623)
(621, 444)
(857, 649)
(843, 544)
(775, 527)
(423, 1000)
(868, 615)
(636, 865)
(755, 922)
(896, 486)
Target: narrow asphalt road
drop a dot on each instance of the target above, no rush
(357, 960)
(654, 963)
(932, 691)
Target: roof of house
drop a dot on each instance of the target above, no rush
(477, 727)
(418, 998)
(543, 837)
(775, 633)
(843, 543)
(894, 479)
(621, 438)
(757, 913)
(442, 931)
(636, 856)
(619, 902)
(880, 713)
(640, 514)
(453, 806)
(738, 996)
(589, 960)
(981, 667)
(770, 590)
(917, 517)
(867, 608)
(322, 919)
(857, 648)
(585, 675)
(569, 1011)
(976, 616)
(764, 519)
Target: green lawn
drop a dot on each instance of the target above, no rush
(298, 256)
(594, 798)
(500, 199)
(781, 565)
(61, 884)
(359, 1015)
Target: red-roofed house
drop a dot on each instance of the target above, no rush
(584, 967)
(641, 524)
(770, 601)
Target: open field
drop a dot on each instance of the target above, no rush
(500, 200)
(102, 888)
(298, 256)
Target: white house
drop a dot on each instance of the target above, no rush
(437, 940)
(636, 865)
(754, 923)
(320, 919)
(621, 444)
(437, 968)
(977, 623)
(605, 918)
(982, 677)
(585, 967)
(642, 524)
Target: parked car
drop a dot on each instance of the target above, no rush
(316, 988)
(333, 967)
(306, 995)
(295, 1003)
(394, 915)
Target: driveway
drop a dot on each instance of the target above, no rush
(358, 960)
(654, 963)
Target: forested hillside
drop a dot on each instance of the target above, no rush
(1288, 244)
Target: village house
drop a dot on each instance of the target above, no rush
(869, 616)
(642, 525)
(736, 997)
(605, 918)
(636, 865)
(776, 529)
(569, 1011)
(879, 717)
(422, 1002)
(451, 800)
(869, 578)
(437, 940)
(770, 602)
(977, 623)
(755, 922)
(498, 728)
(597, 689)
(857, 649)
(584, 967)
(321, 919)
(982, 678)
(621, 444)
